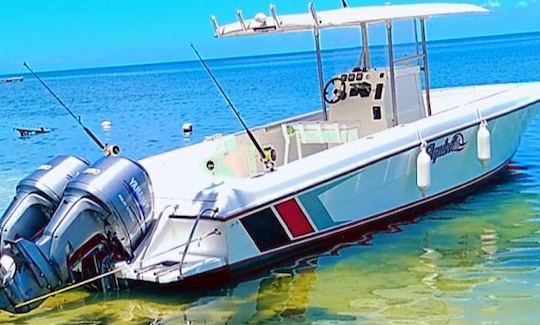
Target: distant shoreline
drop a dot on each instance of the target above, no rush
(54, 73)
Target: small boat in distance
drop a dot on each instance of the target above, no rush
(379, 148)
(23, 133)
(11, 79)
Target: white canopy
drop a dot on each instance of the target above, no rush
(343, 17)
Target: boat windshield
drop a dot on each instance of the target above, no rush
(356, 102)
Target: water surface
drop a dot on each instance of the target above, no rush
(471, 262)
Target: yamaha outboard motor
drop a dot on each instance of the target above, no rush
(37, 197)
(104, 215)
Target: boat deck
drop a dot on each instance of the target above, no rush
(189, 183)
(445, 99)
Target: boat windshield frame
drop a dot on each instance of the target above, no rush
(349, 17)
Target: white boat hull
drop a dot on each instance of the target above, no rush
(378, 183)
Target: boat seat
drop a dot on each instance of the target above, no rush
(317, 133)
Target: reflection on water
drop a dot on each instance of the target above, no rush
(471, 262)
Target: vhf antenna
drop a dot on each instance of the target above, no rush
(267, 162)
(109, 150)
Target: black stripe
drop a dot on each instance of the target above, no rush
(265, 230)
(323, 237)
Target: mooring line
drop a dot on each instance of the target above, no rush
(106, 274)
(73, 286)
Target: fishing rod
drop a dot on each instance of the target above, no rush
(109, 150)
(269, 164)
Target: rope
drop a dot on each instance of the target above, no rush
(104, 275)
(71, 287)
(423, 143)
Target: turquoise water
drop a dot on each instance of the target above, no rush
(471, 262)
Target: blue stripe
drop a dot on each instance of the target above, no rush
(316, 209)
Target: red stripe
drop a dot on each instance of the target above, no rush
(329, 233)
(294, 217)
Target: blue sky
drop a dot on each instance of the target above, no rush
(63, 34)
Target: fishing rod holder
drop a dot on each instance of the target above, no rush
(111, 150)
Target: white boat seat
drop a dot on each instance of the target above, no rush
(317, 133)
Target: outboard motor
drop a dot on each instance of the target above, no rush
(37, 197)
(104, 215)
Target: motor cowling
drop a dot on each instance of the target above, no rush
(123, 189)
(37, 197)
(104, 214)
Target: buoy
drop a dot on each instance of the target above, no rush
(187, 129)
(106, 125)
(483, 141)
(423, 170)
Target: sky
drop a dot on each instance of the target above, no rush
(72, 34)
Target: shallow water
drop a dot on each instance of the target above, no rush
(471, 262)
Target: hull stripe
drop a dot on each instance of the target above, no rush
(294, 218)
(402, 150)
(305, 190)
(315, 207)
(265, 230)
(321, 236)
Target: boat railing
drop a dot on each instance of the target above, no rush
(192, 233)
(156, 225)
(409, 58)
(349, 17)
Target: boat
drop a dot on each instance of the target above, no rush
(24, 133)
(381, 147)
(11, 79)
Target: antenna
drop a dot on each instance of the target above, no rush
(241, 19)
(109, 150)
(268, 164)
(216, 26)
(274, 16)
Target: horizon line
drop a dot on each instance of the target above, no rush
(7, 75)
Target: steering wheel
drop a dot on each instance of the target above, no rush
(334, 91)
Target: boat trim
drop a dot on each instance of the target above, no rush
(344, 174)
(339, 18)
(394, 211)
(329, 233)
(266, 257)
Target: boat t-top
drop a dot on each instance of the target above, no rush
(382, 146)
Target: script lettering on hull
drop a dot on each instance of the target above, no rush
(456, 144)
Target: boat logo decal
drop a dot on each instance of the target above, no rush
(457, 144)
(137, 193)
